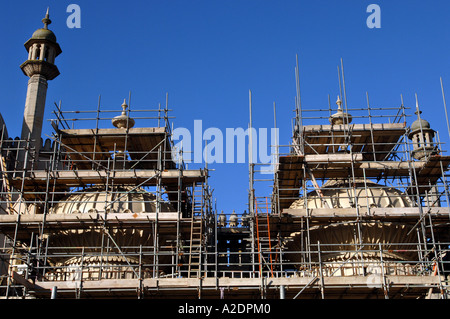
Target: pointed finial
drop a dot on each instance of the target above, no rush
(46, 21)
(418, 111)
(340, 117)
(123, 121)
(339, 102)
(124, 107)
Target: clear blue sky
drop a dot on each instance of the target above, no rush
(208, 54)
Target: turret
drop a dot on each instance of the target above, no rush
(422, 137)
(40, 67)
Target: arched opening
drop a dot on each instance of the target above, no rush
(38, 52)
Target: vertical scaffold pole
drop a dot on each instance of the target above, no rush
(251, 173)
(445, 107)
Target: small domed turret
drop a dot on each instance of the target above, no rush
(422, 136)
(222, 220)
(233, 219)
(244, 219)
(42, 46)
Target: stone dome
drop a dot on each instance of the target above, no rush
(337, 238)
(44, 34)
(338, 194)
(420, 123)
(119, 200)
(66, 243)
(69, 244)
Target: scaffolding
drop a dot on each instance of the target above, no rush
(351, 214)
(101, 205)
(358, 208)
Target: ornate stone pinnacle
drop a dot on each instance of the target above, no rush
(339, 103)
(46, 21)
(340, 117)
(124, 107)
(123, 121)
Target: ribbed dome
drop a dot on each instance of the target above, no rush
(338, 239)
(67, 246)
(119, 200)
(338, 194)
(66, 243)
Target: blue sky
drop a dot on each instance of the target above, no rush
(207, 55)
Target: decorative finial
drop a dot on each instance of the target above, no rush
(339, 103)
(123, 121)
(418, 111)
(124, 107)
(46, 21)
(340, 117)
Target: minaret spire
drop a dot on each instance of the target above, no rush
(46, 21)
(40, 67)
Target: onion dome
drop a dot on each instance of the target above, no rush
(338, 194)
(338, 241)
(123, 199)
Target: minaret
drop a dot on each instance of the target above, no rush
(39, 67)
